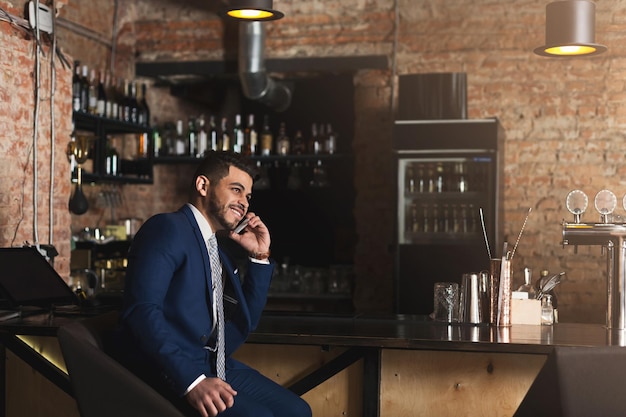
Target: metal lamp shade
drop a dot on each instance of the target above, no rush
(253, 10)
(570, 30)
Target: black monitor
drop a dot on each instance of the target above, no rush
(27, 279)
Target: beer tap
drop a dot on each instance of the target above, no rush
(611, 236)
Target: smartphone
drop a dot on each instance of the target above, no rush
(242, 224)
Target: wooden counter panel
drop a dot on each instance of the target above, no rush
(341, 395)
(455, 384)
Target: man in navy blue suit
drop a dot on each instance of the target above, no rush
(168, 333)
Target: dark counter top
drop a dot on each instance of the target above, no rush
(420, 332)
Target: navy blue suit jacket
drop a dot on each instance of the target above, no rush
(167, 318)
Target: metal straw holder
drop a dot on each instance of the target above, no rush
(612, 237)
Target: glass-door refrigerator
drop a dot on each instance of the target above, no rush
(449, 183)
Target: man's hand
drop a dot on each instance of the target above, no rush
(255, 237)
(211, 396)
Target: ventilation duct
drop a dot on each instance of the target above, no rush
(256, 84)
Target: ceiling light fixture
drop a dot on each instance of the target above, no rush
(570, 30)
(253, 10)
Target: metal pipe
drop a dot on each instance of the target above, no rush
(256, 83)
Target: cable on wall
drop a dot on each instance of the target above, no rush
(52, 131)
(394, 55)
(36, 124)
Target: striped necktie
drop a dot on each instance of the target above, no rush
(218, 295)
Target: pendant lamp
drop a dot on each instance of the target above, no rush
(253, 10)
(570, 30)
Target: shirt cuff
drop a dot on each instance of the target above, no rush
(194, 383)
(260, 261)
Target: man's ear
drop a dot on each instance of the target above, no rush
(202, 185)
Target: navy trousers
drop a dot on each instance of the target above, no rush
(259, 396)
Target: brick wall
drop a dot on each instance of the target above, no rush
(18, 223)
(563, 117)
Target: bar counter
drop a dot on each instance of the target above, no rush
(369, 365)
(420, 332)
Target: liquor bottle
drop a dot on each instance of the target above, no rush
(238, 135)
(179, 140)
(214, 140)
(315, 144)
(283, 144)
(330, 145)
(203, 137)
(134, 105)
(112, 160)
(157, 141)
(101, 97)
(143, 105)
(298, 146)
(321, 138)
(250, 137)
(225, 136)
(76, 87)
(192, 137)
(121, 98)
(125, 102)
(84, 90)
(93, 92)
(110, 95)
(267, 139)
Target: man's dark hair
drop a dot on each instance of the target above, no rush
(215, 166)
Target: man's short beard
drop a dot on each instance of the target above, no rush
(215, 210)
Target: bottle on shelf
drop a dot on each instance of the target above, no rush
(321, 138)
(298, 146)
(144, 114)
(330, 145)
(112, 160)
(180, 141)
(134, 105)
(121, 99)
(157, 142)
(214, 140)
(283, 143)
(203, 137)
(125, 103)
(315, 142)
(192, 137)
(225, 136)
(267, 139)
(109, 95)
(76, 87)
(93, 92)
(250, 137)
(238, 135)
(101, 97)
(84, 90)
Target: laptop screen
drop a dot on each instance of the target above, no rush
(27, 279)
